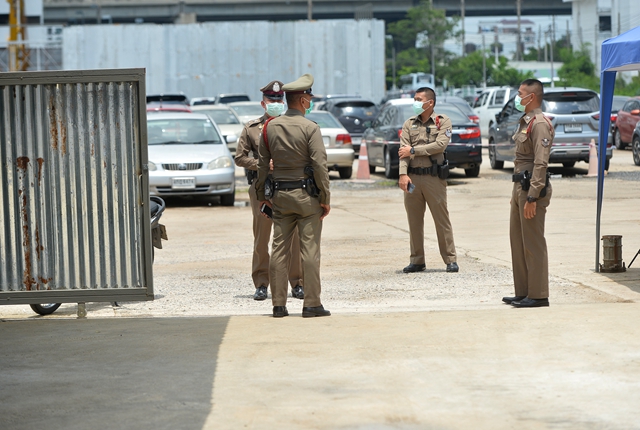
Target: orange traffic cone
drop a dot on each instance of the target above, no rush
(593, 159)
(363, 163)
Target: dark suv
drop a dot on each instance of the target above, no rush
(574, 114)
(352, 114)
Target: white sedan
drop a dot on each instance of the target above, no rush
(247, 111)
(188, 157)
(226, 119)
(337, 142)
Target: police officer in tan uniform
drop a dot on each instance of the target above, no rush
(423, 141)
(294, 143)
(529, 200)
(247, 157)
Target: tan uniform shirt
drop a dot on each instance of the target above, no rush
(427, 139)
(294, 143)
(533, 148)
(247, 151)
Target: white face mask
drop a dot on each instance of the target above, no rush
(274, 109)
(417, 107)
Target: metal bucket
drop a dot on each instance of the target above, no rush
(612, 254)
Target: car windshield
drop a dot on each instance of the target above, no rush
(323, 120)
(571, 102)
(246, 110)
(220, 116)
(361, 109)
(231, 99)
(181, 131)
(455, 114)
(618, 103)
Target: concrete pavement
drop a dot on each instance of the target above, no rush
(574, 365)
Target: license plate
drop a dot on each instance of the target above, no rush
(573, 128)
(356, 140)
(326, 140)
(183, 183)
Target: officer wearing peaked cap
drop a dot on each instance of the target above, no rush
(294, 144)
(247, 157)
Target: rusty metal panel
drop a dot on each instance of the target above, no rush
(344, 56)
(73, 211)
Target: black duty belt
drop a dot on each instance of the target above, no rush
(288, 185)
(422, 170)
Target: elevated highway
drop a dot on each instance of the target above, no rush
(168, 11)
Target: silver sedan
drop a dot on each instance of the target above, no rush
(188, 157)
(337, 141)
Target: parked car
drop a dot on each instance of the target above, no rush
(337, 142)
(230, 98)
(383, 138)
(352, 114)
(247, 111)
(489, 103)
(188, 157)
(166, 99)
(169, 107)
(626, 119)
(462, 104)
(203, 101)
(226, 119)
(573, 112)
(635, 144)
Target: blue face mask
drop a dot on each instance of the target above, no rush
(275, 109)
(417, 107)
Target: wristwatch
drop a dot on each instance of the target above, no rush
(532, 199)
(412, 150)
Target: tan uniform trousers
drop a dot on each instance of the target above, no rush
(431, 191)
(528, 246)
(291, 209)
(261, 236)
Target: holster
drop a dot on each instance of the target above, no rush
(440, 170)
(268, 187)
(543, 192)
(310, 182)
(251, 175)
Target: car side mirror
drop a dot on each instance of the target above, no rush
(232, 138)
(635, 112)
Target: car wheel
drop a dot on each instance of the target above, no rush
(45, 309)
(569, 163)
(636, 150)
(606, 165)
(389, 172)
(618, 140)
(345, 172)
(493, 161)
(472, 172)
(228, 199)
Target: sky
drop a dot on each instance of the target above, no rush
(542, 23)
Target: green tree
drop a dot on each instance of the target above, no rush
(424, 29)
(578, 70)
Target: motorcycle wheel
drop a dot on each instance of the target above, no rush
(45, 308)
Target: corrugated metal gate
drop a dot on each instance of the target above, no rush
(74, 217)
(344, 56)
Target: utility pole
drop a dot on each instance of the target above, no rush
(309, 10)
(518, 48)
(495, 46)
(464, 50)
(553, 41)
(484, 64)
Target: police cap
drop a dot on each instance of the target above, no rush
(273, 90)
(302, 85)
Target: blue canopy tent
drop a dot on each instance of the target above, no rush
(619, 54)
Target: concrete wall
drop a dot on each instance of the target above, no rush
(345, 56)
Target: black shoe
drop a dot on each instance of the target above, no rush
(297, 292)
(509, 300)
(280, 311)
(261, 293)
(530, 303)
(414, 268)
(452, 267)
(318, 311)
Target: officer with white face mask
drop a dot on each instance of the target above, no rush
(247, 157)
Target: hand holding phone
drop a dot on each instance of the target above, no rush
(411, 187)
(266, 210)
